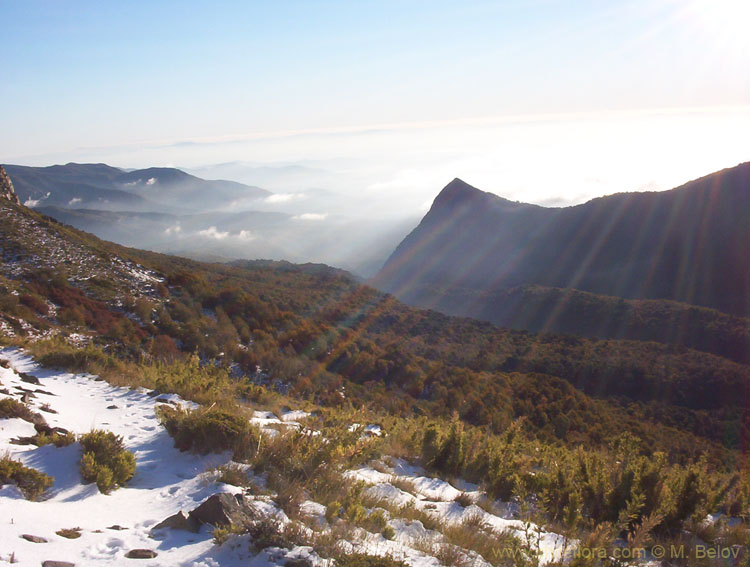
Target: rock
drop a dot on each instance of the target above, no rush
(113, 406)
(224, 510)
(141, 554)
(298, 562)
(163, 400)
(4, 363)
(58, 564)
(116, 527)
(153, 393)
(6, 187)
(29, 379)
(34, 538)
(179, 521)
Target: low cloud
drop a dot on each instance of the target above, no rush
(176, 229)
(311, 216)
(245, 235)
(212, 232)
(73, 201)
(151, 181)
(284, 197)
(34, 202)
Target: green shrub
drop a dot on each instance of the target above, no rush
(105, 460)
(30, 481)
(209, 430)
(57, 439)
(233, 474)
(10, 408)
(388, 532)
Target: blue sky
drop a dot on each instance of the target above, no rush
(188, 83)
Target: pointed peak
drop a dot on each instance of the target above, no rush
(460, 186)
(459, 193)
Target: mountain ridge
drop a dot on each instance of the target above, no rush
(654, 245)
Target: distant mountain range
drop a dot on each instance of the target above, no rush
(621, 266)
(100, 186)
(169, 210)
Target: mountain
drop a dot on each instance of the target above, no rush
(99, 186)
(688, 245)
(593, 432)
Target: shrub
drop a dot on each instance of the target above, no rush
(30, 481)
(105, 460)
(364, 560)
(209, 430)
(233, 474)
(388, 532)
(10, 408)
(35, 302)
(57, 439)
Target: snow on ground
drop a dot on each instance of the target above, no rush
(405, 483)
(165, 482)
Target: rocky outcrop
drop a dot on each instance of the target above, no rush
(6, 187)
(222, 509)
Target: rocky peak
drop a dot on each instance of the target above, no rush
(6, 187)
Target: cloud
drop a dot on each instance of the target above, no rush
(245, 235)
(212, 232)
(73, 201)
(311, 216)
(283, 197)
(151, 181)
(176, 229)
(34, 202)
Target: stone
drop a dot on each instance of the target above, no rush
(179, 521)
(34, 538)
(58, 564)
(29, 379)
(224, 509)
(141, 554)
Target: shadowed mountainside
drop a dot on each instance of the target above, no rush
(688, 244)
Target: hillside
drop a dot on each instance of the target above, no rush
(543, 419)
(686, 245)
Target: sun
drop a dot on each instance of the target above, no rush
(725, 20)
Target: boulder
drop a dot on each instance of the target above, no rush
(224, 509)
(58, 564)
(178, 521)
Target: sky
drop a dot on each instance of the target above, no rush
(552, 102)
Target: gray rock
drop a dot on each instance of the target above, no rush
(179, 521)
(34, 538)
(224, 510)
(58, 564)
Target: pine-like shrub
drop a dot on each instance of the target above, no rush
(105, 460)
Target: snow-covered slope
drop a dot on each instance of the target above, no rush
(167, 481)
